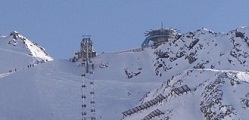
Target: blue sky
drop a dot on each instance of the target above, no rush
(114, 25)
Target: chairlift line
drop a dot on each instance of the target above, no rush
(88, 101)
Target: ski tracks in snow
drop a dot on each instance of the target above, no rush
(4, 75)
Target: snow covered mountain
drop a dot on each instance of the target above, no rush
(33, 89)
(200, 75)
(206, 78)
(17, 51)
(203, 94)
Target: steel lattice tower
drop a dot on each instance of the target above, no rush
(88, 100)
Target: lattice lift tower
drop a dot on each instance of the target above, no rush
(88, 101)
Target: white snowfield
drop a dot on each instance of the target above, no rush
(200, 76)
(18, 53)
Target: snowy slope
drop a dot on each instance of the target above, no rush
(37, 94)
(204, 49)
(213, 66)
(214, 94)
(17, 52)
(53, 89)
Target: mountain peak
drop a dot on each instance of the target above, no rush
(33, 48)
(210, 67)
